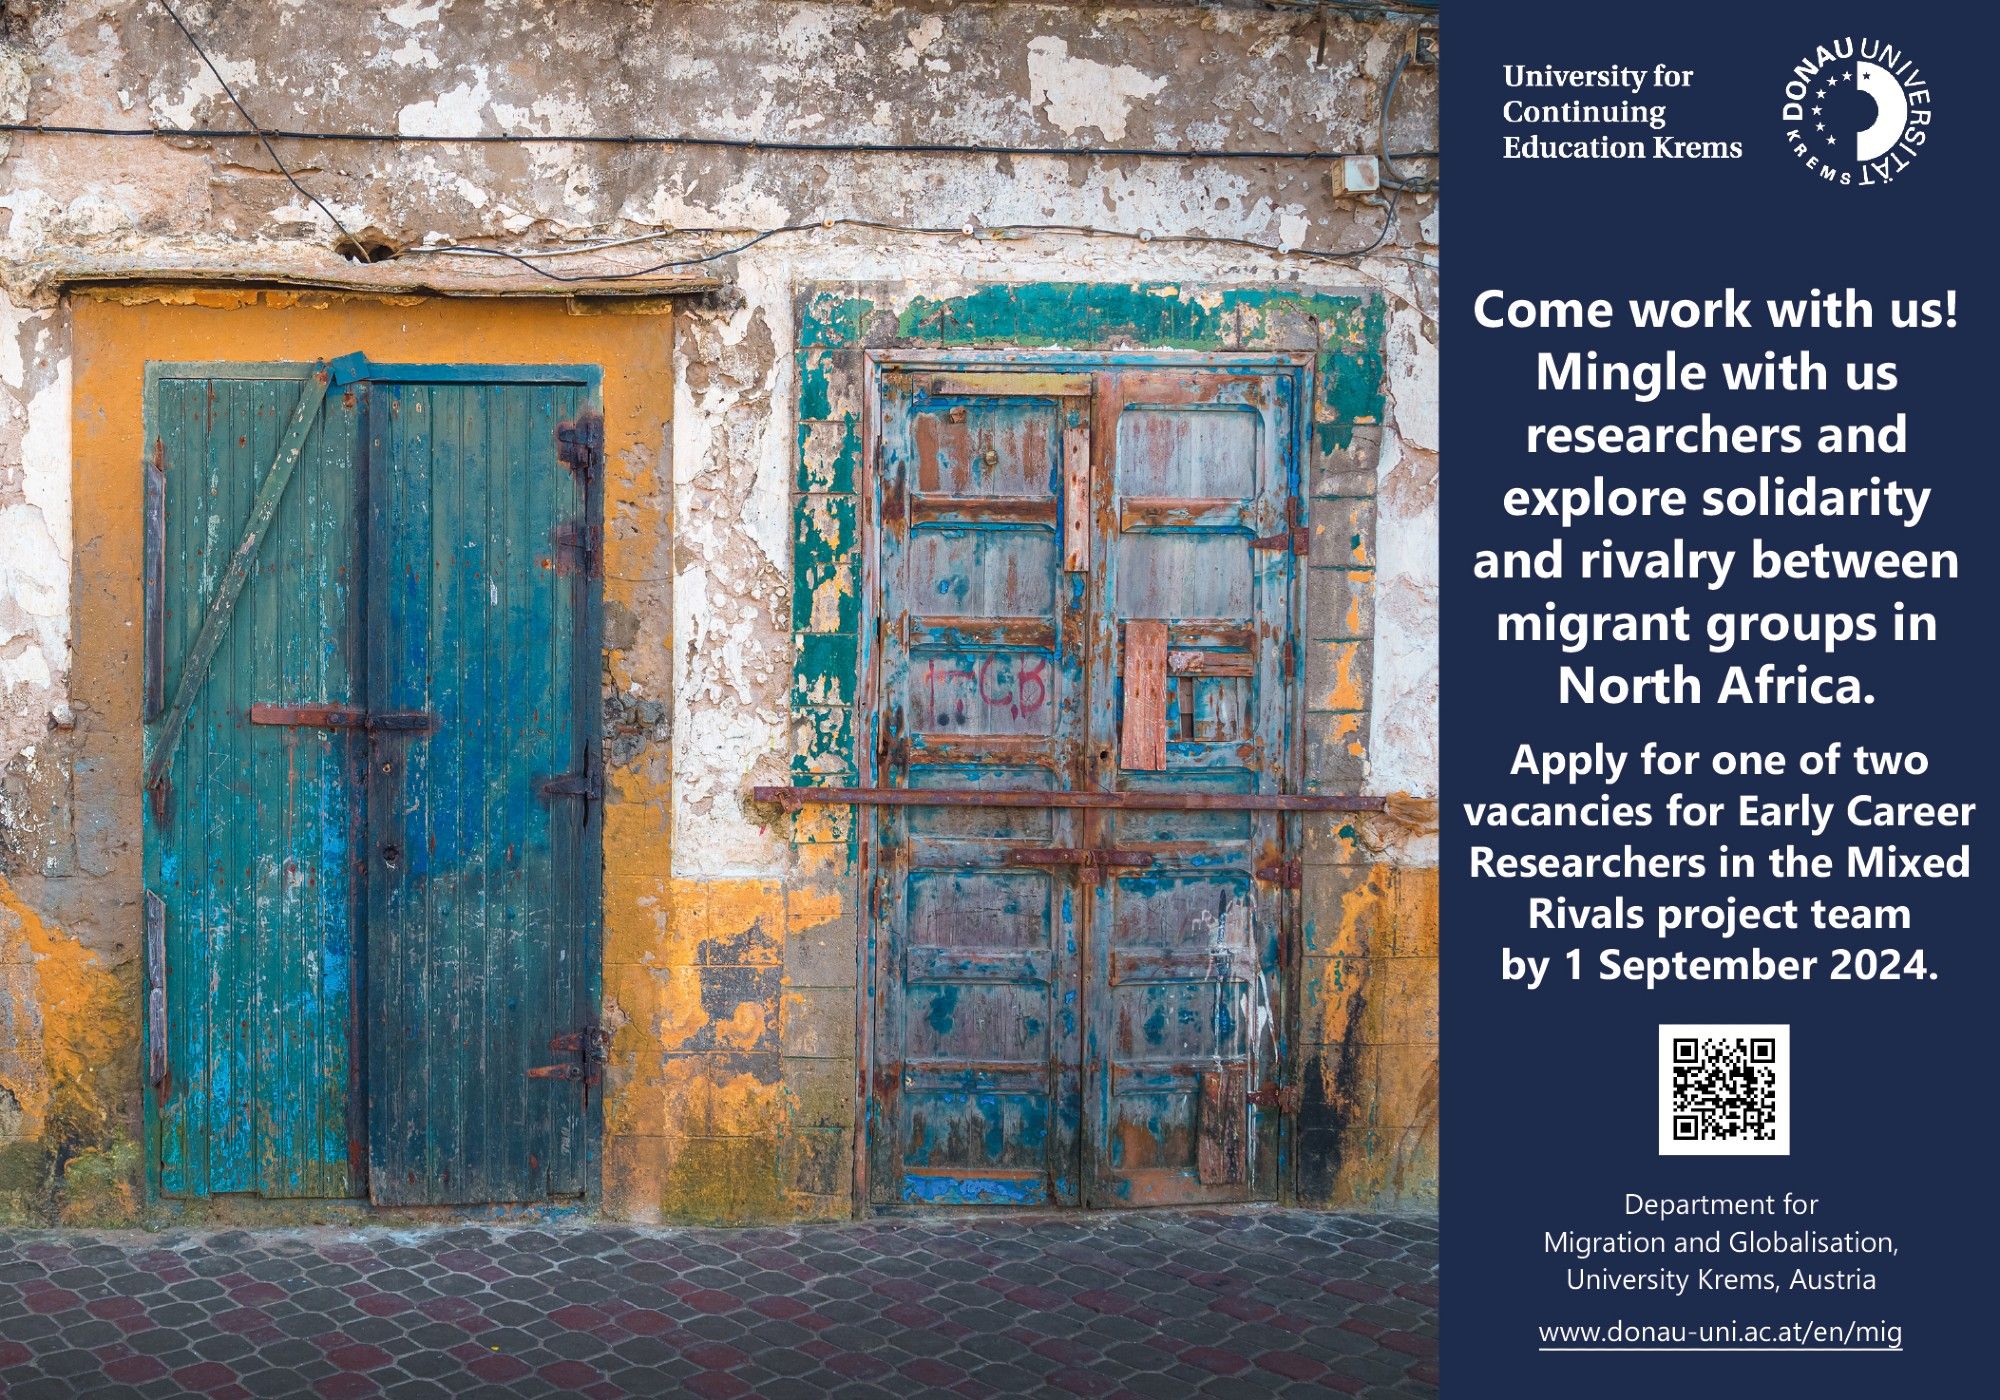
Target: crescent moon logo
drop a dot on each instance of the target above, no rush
(1856, 111)
(1892, 111)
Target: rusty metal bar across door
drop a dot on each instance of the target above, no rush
(795, 797)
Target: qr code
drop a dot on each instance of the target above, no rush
(1725, 1091)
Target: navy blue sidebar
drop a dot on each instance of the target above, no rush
(1810, 156)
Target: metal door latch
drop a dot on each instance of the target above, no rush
(588, 1048)
(1076, 855)
(343, 717)
(1296, 538)
(1284, 1098)
(1287, 874)
(589, 785)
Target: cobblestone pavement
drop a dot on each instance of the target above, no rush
(1233, 1303)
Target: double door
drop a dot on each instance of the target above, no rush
(1084, 584)
(370, 831)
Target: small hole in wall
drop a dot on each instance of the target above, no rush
(368, 246)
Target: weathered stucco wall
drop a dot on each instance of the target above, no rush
(731, 961)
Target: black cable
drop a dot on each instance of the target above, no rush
(244, 112)
(728, 143)
(1396, 180)
(1322, 254)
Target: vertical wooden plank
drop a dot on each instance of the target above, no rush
(404, 817)
(230, 806)
(1076, 490)
(387, 1004)
(557, 748)
(1143, 743)
(257, 669)
(1221, 1118)
(519, 1111)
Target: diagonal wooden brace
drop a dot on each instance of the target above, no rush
(222, 607)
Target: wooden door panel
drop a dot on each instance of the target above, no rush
(1076, 1005)
(478, 918)
(250, 846)
(1184, 974)
(976, 1095)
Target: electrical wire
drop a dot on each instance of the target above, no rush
(753, 144)
(530, 261)
(244, 112)
(1393, 177)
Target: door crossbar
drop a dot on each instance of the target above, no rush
(793, 798)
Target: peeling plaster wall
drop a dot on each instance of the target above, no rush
(746, 988)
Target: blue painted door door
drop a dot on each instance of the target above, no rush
(1195, 490)
(482, 819)
(982, 664)
(371, 867)
(1076, 1005)
(251, 840)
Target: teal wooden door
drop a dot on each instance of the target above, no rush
(1086, 592)
(251, 840)
(482, 824)
(372, 863)
(976, 1085)
(1199, 472)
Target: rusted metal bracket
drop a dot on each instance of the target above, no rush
(590, 1045)
(1283, 1098)
(1296, 538)
(588, 785)
(577, 551)
(1288, 874)
(343, 717)
(794, 798)
(1078, 855)
(580, 445)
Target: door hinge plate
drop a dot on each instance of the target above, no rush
(576, 544)
(588, 1047)
(1284, 1098)
(580, 445)
(585, 784)
(1296, 538)
(1288, 874)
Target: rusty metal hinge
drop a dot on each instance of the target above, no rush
(1284, 1098)
(1295, 538)
(1287, 873)
(580, 445)
(589, 784)
(589, 1045)
(577, 549)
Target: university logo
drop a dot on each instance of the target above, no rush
(1856, 111)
